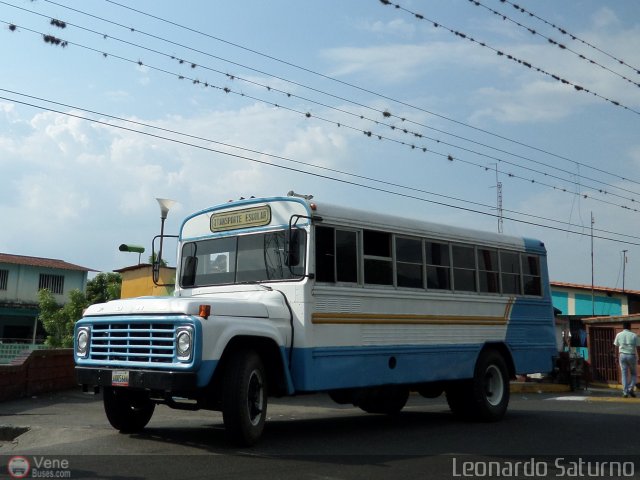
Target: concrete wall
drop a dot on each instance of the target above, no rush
(41, 372)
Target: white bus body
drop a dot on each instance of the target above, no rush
(278, 296)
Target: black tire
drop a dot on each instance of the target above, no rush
(244, 409)
(128, 411)
(486, 397)
(388, 400)
(458, 398)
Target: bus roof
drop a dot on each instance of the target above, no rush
(419, 227)
(363, 218)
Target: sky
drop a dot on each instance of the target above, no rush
(416, 109)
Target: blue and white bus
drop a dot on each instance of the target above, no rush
(280, 296)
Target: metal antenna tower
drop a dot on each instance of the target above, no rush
(499, 201)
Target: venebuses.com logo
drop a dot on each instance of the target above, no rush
(38, 467)
(18, 467)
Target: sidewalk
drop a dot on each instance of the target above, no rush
(543, 387)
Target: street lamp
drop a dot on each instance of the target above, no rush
(132, 248)
(165, 205)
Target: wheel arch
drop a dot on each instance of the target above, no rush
(504, 351)
(278, 380)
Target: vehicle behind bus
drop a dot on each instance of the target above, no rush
(280, 296)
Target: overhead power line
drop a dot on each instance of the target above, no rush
(357, 87)
(571, 35)
(551, 41)
(289, 94)
(293, 169)
(524, 63)
(368, 133)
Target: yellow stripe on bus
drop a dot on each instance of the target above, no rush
(390, 319)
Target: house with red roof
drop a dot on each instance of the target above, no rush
(21, 277)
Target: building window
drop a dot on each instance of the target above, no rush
(4, 279)
(53, 283)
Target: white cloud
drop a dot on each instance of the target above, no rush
(397, 63)
(535, 102)
(397, 27)
(604, 18)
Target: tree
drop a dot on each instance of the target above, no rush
(58, 321)
(104, 287)
(153, 257)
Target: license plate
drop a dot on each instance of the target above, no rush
(120, 378)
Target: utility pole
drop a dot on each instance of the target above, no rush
(499, 201)
(593, 304)
(624, 266)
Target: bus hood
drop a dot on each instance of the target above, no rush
(262, 304)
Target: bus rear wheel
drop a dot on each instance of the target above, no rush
(387, 400)
(128, 411)
(485, 397)
(244, 409)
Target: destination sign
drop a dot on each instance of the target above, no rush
(248, 217)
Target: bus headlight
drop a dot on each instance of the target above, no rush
(184, 343)
(82, 342)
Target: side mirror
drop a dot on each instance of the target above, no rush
(293, 248)
(189, 271)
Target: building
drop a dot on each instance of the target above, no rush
(577, 302)
(21, 278)
(601, 331)
(591, 318)
(137, 281)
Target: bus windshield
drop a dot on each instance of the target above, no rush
(261, 257)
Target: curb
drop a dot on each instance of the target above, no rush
(533, 387)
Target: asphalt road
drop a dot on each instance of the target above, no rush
(311, 437)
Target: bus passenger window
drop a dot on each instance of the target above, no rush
(325, 254)
(510, 268)
(409, 263)
(464, 268)
(378, 264)
(531, 275)
(346, 256)
(438, 266)
(488, 269)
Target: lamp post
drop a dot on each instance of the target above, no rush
(165, 205)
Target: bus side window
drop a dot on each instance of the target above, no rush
(488, 268)
(378, 263)
(531, 275)
(325, 254)
(346, 256)
(510, 272)
(438, 266)
(464, 268)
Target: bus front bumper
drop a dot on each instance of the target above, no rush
(167, 381)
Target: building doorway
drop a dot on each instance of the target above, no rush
(603, 355)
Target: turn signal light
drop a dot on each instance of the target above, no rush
(205, 311)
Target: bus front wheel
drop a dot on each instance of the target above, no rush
(127, 411)
(244, 398)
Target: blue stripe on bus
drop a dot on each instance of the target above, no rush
(326, 368)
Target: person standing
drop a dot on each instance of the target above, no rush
(627, 343)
